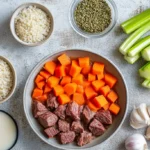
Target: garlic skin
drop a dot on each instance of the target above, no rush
(147, 136)
(136, 142)
(139, 117)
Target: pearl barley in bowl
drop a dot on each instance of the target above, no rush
(31, 24)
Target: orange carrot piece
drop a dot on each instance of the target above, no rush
(45, 74)
(63, 99)
(50, 67)
(112, 96)
(41, 84)
(98, 68)
(78, 79)
(84, 62)
(100, 76)
(67, 69)
(86, 70)
(37, 93)
(114, 108)
(60, 71)
(91, 77)
(52, 81)
(75, 62)
(42, 98)
(58, 90)
(39, 78)
(89, 92)
(65, 80)
(79, 98)
(74, 70)
(99, 101)
(47, 89)
(80, 89)
(97, 84)
(110, 80)
(86, 84)
(70, 88)
(64, 60)
(106, 107)
(105, 90)
(93, 107)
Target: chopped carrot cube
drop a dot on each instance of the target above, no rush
(74, 70)
(98, 68)
(114, 108)
(93, 107)
(105, 90)
(39, 78)
(41, 84)
(47, 89)
(100, 76)
(106, 107)
(110, 80)
(78, 79)
(79, 98)
(86, 84)
(89, 92)
(91, 77)
(64, 60)
(80, 89)
(58, 90)
(112, 96)
(52, 81)
(60, 71)
(65, 80)
(45, 74)
(63, 99)
(70, 88)
(37, 93)
(97, 84)
(50, 67)
(42, 98)
(84, 62)
(86, 70)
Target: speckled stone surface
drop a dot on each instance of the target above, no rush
(25, 58)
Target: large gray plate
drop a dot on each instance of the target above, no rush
(120, 89)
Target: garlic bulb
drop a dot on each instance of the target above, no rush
(136, 142)
(139, 117)
(147, 136)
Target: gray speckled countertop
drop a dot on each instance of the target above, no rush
(25, 58)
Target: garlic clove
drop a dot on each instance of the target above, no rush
(147, 136)
(142, 110)
(136, 121)
(136, 142)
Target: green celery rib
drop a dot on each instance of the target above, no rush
(138, 47)
(146, 53)
(133, 38)
(145, 71)
(136, 21)
(132, 60)
(146, 83)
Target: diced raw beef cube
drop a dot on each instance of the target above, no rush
(51, 132)
(67, 137)
(96, 128)
(80, 110)
(104, 116)
(84, 138)
(60, 111)
(52, 101)
(73, 111)
(48, 119)
(38, 109)
(63, 126)
(87, 114)
(77, 127)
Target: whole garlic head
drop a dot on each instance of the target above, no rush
(136, 142)
(139, 117)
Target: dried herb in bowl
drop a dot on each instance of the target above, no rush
(93, 15)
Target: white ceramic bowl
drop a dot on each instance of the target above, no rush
(15, 14)
(14, 79)
(120, 89)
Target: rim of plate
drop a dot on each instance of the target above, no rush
(61, 51)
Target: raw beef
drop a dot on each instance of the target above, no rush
(51, 132)
(77, 127)
(63, 126)
(52, 102)
(60, 111)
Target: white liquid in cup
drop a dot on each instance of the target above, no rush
(8, 131)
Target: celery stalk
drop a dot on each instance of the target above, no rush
(136, 21)
(132, 60)
(138, 47)
(146, 53)
(133, 38)
(146, 83)
(145, 71)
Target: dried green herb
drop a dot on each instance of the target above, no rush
(93, 15)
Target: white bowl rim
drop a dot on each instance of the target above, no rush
(31, 44)
(14, 79)
(63, 51)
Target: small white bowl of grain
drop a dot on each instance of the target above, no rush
(31, 24)
(8, 79)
